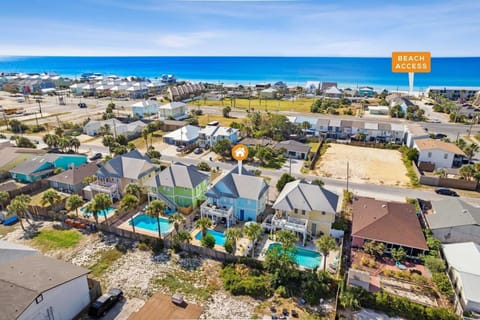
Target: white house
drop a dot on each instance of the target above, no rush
(463, 260)
(312, 86)
(269, 93)
(176, 110)
(144, 108)
(33, 286)
(442, 154)
(210, 135)
(183, 136)
(414, 132)
(115, 127)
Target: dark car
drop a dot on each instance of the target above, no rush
(82, 105)
(446, 192)
(96, 156)
(100, 306)
(198, 150)
(440, 136)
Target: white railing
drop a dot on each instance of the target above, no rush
(293, 224)
(100, 186)
(209, 209)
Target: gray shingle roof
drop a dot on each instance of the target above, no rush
(29, 166)
(292, 145)
(305, 196)
(131, 165)
(179, 175)
(452, 212)
(76, 175)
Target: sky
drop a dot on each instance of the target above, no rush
(327, 28)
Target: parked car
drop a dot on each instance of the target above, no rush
(82, 105)
(101, 306)
(446, 192)
(198, 150)
(96, 156)
(440, 136)
(180, 148)
(434, 121)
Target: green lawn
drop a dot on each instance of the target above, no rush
(106, 260)
(37, 199)
(299, 105)
(203, 120)
(52, 239)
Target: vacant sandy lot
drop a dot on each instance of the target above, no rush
(378, 166)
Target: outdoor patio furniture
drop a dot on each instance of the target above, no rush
(177, 299)
(400, 266)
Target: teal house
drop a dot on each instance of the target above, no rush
(42, 166)
(179, 186)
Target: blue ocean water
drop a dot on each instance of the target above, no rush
(292, 70)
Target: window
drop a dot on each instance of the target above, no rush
(295, 210)
(323, 213)
(303, 212)
(39, 298)
(429, 154)
(445, 156)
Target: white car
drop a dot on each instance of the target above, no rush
(435, 121)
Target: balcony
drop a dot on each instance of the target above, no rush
(292, 224)
(104, 187)
(215, 212)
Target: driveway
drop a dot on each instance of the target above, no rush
(292, 165)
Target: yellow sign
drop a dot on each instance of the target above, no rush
(240, 152)
(411, 62)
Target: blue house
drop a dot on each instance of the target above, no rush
(42, 166)
(236, 197)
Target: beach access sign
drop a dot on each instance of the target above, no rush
(411, 62)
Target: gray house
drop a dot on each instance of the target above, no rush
(295, 149)
(453, 220)
(71, 181)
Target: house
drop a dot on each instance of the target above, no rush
(183, 136)
(252, 142)
(393, 223)
(305, 208)
(294, 149)
(452, 93)
(42, 166)
(10, 251)
(365, 92)
(210, 135)
(183, 185)
(442, 154)
(334, 128)
(453, 220)
(33, 286)
(463, 260)
(144, 108)
(316, 125)
(115, 127)
(415, 132)
(117, 173)
(175, 110)
(379, 110)
(327, 85)
(311, 87)
(236, 196)
(13, 156)
(269, 93)
(71, 181)
(332, 92)
(171, 125)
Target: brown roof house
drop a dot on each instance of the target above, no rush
(442, 154)
(393, 223)
(71, 181)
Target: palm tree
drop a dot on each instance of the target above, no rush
(177, 219)
(287, 238)
(253, 231)
(15, 207)
(467, 171)
(4, 196)
(75, 143)
(24, 200)
(183, 236)
(442, 173)
(325, 244)
(203, 224)
(135, 189)
(92, 207)
(233, 234)
(74, 202)
(471, 150)
(51, 140)
(51, 198)
(155, 209)
(128, 203)
(103, 202)
(145, 133)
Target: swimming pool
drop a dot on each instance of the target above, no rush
(101, 213)
(302, 257)
(146, 222)
(217, 235)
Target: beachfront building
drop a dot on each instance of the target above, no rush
(183, 185)
(210, 135)
(117, 173)
(452, 220)
(34, 286)
(183, 136)
(440, 153)
(42, 166)
(235, 197)
(332, 92)
(452, 93)
(365, 92)
(175, 110)
(393, 223)
(311, 87)
(305, 208)
(463, 260)
(115, 127)
(144, 108)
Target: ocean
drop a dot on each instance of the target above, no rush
(347, 72)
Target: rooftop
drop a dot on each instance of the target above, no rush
(76, 175)
(433, 144)
(452, 212)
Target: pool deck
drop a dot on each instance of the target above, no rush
(199, 243)
(101, 218)
(124, 224)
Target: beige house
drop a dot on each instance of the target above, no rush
(305, 208)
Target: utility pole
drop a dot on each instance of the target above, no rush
(40, 108)
(348, 174)
(290, 166)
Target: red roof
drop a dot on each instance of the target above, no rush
(391, 222)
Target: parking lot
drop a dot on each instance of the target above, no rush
(377, 166)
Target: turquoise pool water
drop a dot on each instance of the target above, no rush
(146, 222)
(102, 213)
(302, 257)
(219, 237)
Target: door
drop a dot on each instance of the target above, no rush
(242, 214)
(314, 229)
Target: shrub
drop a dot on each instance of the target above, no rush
(434, 264)
(142, 246)
(36, 128)
(229, 246)
(157, 245)
(419, 279)
(245, 284)
(433, 243)
(208, 241)
(443, 283)
(203, 166)
(388, 273)
(281, 292)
